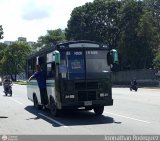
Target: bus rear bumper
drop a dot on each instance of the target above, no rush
(94, 103)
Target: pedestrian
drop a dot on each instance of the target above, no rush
(41, 80)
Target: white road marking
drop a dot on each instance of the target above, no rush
(53, 120)
(128, 117)
(16, 101)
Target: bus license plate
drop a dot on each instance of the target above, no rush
(87, 103)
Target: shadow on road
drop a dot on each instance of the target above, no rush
(70, 118)
(3, 117)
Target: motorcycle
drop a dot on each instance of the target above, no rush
(8, 89)
(133, 87)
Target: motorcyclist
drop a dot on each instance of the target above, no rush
(7, 82)
(133, 85)
(134, 82)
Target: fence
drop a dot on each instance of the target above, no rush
(144, 77)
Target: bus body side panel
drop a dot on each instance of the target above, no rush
(32, 88)
(51, 89)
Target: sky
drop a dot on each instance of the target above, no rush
(32, 18)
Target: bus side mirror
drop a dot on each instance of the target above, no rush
(112, 57)
(56, 56)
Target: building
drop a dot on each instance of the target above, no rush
(8, 42)
(20, 39)
(31, 43)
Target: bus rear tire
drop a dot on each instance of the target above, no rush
(35, 101)
(53, 108)
(98, 110)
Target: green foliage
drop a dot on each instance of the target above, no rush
(21, 82)
(14, 59)
(1, 32)
(52, 37)
(129, 43)
(2, 48)
(95, 21)
(131, 26)
(154, 7)
(148, 39)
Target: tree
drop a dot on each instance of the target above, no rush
(131, 26)
(1, 32)
(148, 39)
(14, 59)
(51, 38)
(130, 45)
(154, 7)
(96, 21)
(2, 49)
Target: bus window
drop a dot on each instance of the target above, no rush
(31, 67)
(51, 70)
(41, 60)
(30, 71)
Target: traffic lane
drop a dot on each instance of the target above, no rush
(143, 95)
(21, 122)
(3, 104)
(14, 119)
(20, 93)
(73, 118)
(90, 124)
(108, 123)
(83, 128)
(138, 110)
(41, 122)
(20, 112)
(19, 98)
(78, 122)
(144, 104)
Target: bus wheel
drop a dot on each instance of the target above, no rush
(36, 105)
(88, 108)
(98, 110)
(53, 108)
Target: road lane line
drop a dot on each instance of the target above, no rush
(53, 120)
(128, 117)
(16, 101)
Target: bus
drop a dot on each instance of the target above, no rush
(78, 76)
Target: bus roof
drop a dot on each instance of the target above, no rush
(70, 44)
(79, 41)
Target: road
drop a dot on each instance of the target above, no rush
(132, 113)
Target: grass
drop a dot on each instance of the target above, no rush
(21, 82)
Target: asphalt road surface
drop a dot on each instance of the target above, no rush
(132, 113)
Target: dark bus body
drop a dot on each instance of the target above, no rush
(81, 76)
